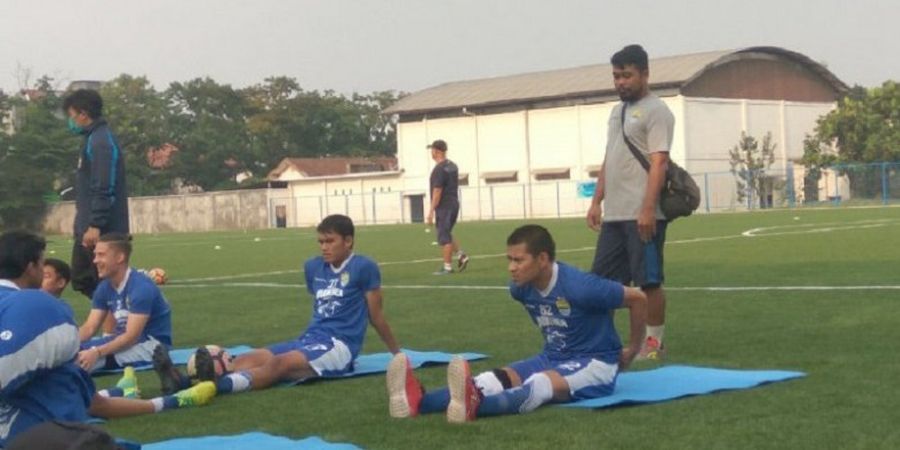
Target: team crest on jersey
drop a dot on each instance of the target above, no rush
(6, 335)
(345, 279)
(636, 114)
(563, 306)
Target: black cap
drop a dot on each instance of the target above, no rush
(438, 145)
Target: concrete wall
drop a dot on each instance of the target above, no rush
(227, 210)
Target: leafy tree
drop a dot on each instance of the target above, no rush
(749, 160)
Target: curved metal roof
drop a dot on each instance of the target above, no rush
(672, 71)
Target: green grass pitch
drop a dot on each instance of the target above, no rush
(845, 339)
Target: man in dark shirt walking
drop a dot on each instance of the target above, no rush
(445, 207)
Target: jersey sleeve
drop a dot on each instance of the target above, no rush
(594, 293)
(36, 334)
(370, 276)
(660, 129)
(99, 300)
(438, 178)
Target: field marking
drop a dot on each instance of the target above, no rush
(751, 233)
(503, 288)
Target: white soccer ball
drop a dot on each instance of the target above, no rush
(158, 275)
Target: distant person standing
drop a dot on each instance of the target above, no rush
(633, 227)
(445, 207)
(101, 204)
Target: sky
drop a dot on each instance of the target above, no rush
(364, 46)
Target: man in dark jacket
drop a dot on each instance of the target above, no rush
(101, 204)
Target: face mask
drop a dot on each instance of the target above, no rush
(73, 127)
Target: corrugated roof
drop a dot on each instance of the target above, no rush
(672, 71)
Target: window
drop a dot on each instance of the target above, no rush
(551, 174)
(508, 176)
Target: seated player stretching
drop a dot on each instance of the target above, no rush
(346, 290)
(142, 314)
(582, 353)
(39, 379)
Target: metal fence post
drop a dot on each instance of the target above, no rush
(492, 203)
(558, 211)
(884, 183)
(706, 190)
(837, 181)
(374, 214)
(524, 203)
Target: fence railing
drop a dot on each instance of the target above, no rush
(784, 187)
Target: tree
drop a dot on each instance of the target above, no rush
(37, 160)
(209, 127)
(141, 120)
(749, 162)
(864, 128)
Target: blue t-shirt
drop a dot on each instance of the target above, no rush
(339, 297)
(575, 316)
(139, 296)
(39, 380)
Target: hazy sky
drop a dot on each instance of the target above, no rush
(409, 45)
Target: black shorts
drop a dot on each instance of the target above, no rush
(444, 220)
(622, 256)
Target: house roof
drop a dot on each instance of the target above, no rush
(666, 72)
(325, 167)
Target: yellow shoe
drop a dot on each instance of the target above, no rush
(128, 384)
(200, 394)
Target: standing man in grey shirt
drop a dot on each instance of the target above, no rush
(632, 227)
(444, 189)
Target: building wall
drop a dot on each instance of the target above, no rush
(762, 77)
(227, 210)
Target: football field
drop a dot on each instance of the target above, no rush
(810, 290)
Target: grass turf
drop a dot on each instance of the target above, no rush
(844, 339)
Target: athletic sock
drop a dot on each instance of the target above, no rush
(656, 332)
(435, 401)
(448, 267)
(161, 404)
(509, 401)
(111, 392)
(234, 382)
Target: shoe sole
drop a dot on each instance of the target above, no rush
(457, 375)
(164, 367)
(204, 364)
(398, 403)
(463, 263)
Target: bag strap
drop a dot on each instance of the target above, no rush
(634, 151)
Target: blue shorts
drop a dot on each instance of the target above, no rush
(327, 355)
(587, 377)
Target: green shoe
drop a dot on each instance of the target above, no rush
(128, 384)
(200, 394)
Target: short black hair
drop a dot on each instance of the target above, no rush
(62, 269)
(18, 249)
(631, 54)
(337, 223)
(87, 101)
(120, 241)
(536, 239)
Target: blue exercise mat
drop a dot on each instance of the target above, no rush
(671, 382)
(248, 441)
(378, 362)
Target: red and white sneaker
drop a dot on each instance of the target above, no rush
(652, 350)
(404, 389)
(464, 395)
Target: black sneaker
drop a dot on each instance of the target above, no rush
(170, 379)
(204, 365)
(462, 262)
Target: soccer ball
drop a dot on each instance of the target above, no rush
(222, 361)
(158, 276)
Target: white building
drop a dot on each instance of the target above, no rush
(518, 139)
(526, 144)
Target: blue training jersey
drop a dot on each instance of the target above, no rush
(339, 297)
(575, 314)
(39, 380)
(140, 295)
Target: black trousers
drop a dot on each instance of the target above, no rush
(84, 272)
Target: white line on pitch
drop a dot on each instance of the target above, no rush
(503, 288)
